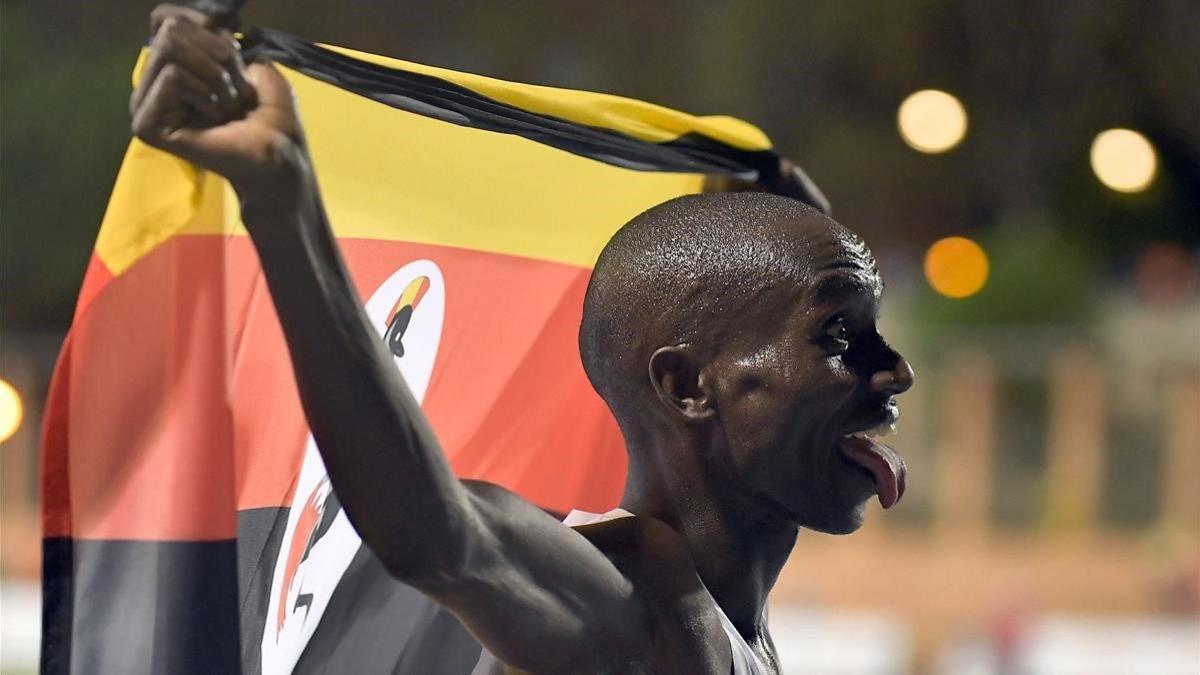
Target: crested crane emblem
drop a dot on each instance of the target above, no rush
(401, 314)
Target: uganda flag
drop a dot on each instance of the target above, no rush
(189, 524)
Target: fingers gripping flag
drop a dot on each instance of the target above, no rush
(189, 523)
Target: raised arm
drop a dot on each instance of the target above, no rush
(483, 552)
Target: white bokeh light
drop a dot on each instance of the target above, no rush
(1124, 160)
(932, 121)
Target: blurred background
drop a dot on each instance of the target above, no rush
(1027, 172)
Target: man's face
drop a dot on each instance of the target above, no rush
(809, 370)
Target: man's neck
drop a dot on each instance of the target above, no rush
(738, 544)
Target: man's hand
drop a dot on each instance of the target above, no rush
(197, 100)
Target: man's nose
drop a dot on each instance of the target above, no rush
(895, 381)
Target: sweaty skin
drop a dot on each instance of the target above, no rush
(734, 451)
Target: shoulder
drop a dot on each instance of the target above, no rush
(668, 621)
(645, 548)
(687, 631)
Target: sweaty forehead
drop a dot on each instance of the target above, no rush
(845, 285)
(831, 267)
(832, 257)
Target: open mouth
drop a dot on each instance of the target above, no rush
(862, 447)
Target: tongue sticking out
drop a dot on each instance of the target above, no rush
(883, 463)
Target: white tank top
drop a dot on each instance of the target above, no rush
(745, 661)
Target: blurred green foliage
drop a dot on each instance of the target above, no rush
(64, 121)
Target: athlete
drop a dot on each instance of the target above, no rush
(732, 335)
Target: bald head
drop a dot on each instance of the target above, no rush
(688, 271)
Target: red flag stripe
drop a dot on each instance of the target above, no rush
(189, 333)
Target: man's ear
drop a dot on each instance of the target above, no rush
(680, 384)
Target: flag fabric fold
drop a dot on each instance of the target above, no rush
(189, 525)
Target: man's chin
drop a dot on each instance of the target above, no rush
(843, 522)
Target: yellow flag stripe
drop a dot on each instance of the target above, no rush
(450, 185)
(639, 119)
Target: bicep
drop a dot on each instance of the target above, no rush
(535, 592)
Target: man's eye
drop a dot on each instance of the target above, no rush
(836, 336)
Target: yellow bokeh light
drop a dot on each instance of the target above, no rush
(956, 267)
(1124, 160)
(932, 121)
(11, 411)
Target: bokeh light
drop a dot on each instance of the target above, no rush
(11, 411)
(956, 267)
(932, 121)
(1124, 160)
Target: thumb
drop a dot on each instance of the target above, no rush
(272, 88)
(254, 160)
(276, 105)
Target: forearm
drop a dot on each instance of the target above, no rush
(381, 455)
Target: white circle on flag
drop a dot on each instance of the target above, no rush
(407, 311)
